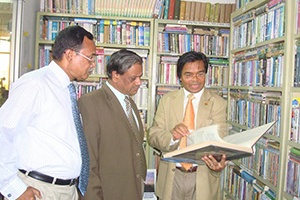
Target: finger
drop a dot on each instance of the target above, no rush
(37, 193)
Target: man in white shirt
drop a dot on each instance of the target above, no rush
(40, 155)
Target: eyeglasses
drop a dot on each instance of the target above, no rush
(191, 75)
(92, 59)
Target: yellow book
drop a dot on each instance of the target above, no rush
(207, 13)
(182, 10)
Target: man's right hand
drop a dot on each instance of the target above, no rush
(30, 194)
(179, 131)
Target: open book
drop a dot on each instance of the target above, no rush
(206, 141)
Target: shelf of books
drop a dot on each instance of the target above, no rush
(258, 93)
(111, 34)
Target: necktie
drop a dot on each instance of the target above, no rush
(130, 116)
(85, 166)
(189, 121)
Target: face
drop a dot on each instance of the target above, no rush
(130, 81)
(83, 62)
(193, 76)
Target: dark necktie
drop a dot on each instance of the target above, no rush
(130, 116)
(85, 166)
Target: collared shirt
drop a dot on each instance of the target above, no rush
(37, 131)
(120, 96)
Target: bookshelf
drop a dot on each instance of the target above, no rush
(111, 34)
(172, 38)
(259, 90)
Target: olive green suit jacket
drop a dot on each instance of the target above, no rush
(211, 110)
(117, 158)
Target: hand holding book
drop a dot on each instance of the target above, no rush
(206, 141)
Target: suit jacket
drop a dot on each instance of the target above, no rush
(117, 158)
(211, 110)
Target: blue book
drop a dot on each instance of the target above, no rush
(166, 11)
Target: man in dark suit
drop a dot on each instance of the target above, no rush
(174, 181)
(117, 159)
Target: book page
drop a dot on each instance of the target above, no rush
(209, 133)
(249, 137)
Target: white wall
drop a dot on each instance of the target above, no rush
(28, 35)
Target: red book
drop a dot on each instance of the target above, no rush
(171, 9)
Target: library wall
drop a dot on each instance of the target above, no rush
(28, 36)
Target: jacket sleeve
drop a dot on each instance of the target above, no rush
(92, 134)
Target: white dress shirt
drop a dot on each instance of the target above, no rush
(195, 102)
(120, 96)
(37, 131)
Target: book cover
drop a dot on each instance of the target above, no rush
(182, 10)
(166, 11)
(192, 12)
(202, 12)
(187, 10)
(206, 141)
(222, 13)
(177, 9)
(197, 11)
(171, 9)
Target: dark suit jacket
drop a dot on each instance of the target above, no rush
(117, 158)
(211, 110)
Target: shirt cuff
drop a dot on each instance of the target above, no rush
(14, 189)
(173, 141)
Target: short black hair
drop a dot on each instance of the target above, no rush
(69, 38)
(120, 61)
(191, 56)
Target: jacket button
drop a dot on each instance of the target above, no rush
(138, 176)
(173, 170)
(137, 154)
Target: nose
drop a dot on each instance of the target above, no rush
(138, 81)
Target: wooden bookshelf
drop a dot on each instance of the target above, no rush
(274, 176)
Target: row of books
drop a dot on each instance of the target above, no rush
(260, 67)
(181, 43)
(217, 75)
(140, 98)
(242, 185)
(259, 25)
(103, 55)
(105, 31)
(193, 11)
(242, 3)
(252, 109)
(293, 173)
(45, 55)
(120, 8)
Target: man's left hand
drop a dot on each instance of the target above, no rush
(213, 164)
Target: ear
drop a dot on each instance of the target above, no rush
(69, 54)
(115, 76)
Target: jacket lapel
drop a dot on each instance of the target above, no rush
(177, 104)
(204, 108)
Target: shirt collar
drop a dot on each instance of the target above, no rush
(197, 95)
(60, 74)
(118, 94)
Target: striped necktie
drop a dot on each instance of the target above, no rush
(85, 166)
(130, 116)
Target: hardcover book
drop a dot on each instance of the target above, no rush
(206, 141)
